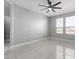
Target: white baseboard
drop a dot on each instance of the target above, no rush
(72, 41)
(30, 42)
(26, 43)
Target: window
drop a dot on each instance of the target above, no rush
(59, 25)
(65, 25)
(70, 25)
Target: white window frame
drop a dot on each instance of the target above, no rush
(69, 26)
(59, 26)
(64, 26)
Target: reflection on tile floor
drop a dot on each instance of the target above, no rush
(64, 53)
(45, 49)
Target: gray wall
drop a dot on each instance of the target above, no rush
(53, 27)
(28, 25)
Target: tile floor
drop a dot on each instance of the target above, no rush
(44, 49)
(6, 44)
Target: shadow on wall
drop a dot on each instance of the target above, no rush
(6, 22)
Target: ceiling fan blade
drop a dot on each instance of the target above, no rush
(47, 11)
(44, 9)
(57, 7)
(48, 1)
(53, 10)
(42, 5)
(56, 3)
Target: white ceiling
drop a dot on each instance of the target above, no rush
(67, 6)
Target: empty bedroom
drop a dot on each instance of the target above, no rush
(39, 29)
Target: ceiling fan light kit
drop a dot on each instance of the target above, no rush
(50, 6)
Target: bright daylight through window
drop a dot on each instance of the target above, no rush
(65, 25)
(59, 25)
(70, 25)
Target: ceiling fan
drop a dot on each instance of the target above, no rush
(50, 6)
